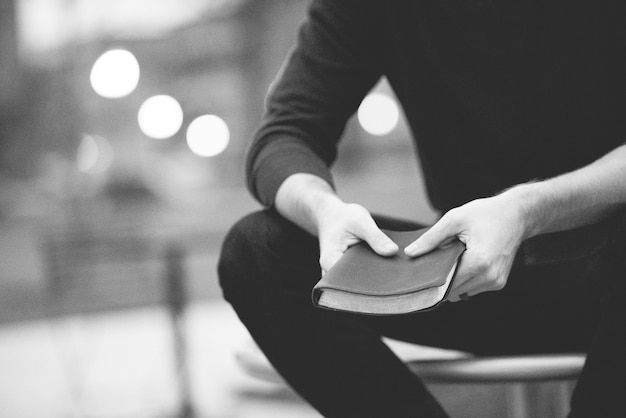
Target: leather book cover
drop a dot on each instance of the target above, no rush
(362, 281)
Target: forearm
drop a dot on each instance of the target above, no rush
(574, 199)
(336, 61)
(304, 199)
(493, 228)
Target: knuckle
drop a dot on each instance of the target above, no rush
(500, 283)
(452, 212)
(496, 281)
(455, 215)
(482, 263)
(450, 216)
(488, 277)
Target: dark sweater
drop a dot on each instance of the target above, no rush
(496, 92)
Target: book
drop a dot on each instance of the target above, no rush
(365, 282)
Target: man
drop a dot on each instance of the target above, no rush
(517, 110)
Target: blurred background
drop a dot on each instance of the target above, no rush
(123, 127)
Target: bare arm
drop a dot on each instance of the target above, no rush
(494, 228)
(577, 198)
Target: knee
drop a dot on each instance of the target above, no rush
(256, 250)
(251, 237)
(240, 240)
(239, 246)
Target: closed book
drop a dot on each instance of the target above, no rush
(365, 282)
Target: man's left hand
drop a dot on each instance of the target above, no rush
(492, 230)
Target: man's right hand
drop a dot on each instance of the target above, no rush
(311, 203)
(345, 224)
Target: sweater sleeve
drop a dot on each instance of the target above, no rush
(336, 60)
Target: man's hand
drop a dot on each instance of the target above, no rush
(342, 225)
(491, 229)
(311, 203)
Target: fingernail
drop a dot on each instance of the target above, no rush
(389, 246)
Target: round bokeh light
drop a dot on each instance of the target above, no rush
(208, 135)
(94, 154)
(115, 74)
(378, 114)
(160, 117)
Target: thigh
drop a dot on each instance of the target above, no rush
(264, 249)
(552, 307)
(546, 308)
(269, 248)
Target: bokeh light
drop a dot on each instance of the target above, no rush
(208, 135)
(115, 74)
(378, 114)
(160, 117)
(94, 154)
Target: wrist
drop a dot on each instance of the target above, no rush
(303, 199)
(324, 206)
(527, 200)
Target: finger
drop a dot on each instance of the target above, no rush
(461, 293)
(431, 239)
(329, 258)
(377, 239)
(468, 289)
(463, 283)
(458, 298)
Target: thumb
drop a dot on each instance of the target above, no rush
(431, 239)
(378, 240)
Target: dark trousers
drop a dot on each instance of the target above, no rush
(338, 363)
